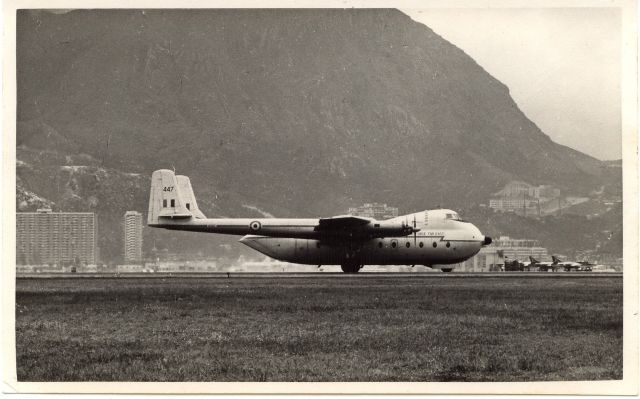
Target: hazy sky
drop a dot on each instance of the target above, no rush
(562, 66)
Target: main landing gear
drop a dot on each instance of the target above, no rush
(447, 270)
(351, 267)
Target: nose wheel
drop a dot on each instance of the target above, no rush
(351, 267)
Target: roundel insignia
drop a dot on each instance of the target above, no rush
(255, 225)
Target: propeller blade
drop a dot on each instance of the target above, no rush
(414, 230)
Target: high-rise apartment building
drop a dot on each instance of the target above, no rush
(132, 237)
(46, 237)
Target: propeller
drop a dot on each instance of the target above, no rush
(408, 229)
(414, 230)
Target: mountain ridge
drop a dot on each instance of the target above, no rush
(296, 112)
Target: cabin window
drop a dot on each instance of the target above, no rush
(164, 203)
(188, 206)
(173, 203)
(421, 244)
(408, 244)
(394, 244)
(380, 244)
(435, 244)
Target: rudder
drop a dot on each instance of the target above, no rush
(165, 198)
(184, 185)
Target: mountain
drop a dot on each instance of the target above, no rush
(290, 112)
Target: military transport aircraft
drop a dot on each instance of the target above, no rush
(434, 238)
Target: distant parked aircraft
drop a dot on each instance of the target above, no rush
(544, 266)
(430, 238)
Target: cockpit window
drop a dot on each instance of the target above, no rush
(454, 216)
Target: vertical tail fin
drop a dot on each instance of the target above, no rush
(184, 186)
(165, 199)
(533, 260)
(555, 259)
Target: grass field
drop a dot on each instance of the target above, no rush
(319, 329)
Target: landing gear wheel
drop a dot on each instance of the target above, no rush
(350, 268)
(447, 270)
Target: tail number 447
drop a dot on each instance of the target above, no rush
(170, 188)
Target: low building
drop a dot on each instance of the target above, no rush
(518, 189)
(515, 189)
(135, 268)
(521, 206)
(523, 198)
(184, 266)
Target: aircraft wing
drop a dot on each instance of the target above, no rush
(346, 222)
(357, 227)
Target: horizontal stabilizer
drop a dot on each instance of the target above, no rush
(174, 215)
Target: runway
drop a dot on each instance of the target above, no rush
(311, 275)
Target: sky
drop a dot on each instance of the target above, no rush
(562, 66)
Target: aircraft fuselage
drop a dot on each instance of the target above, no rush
(448, 241)
(421, 250)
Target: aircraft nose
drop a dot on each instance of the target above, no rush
(487, 241)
